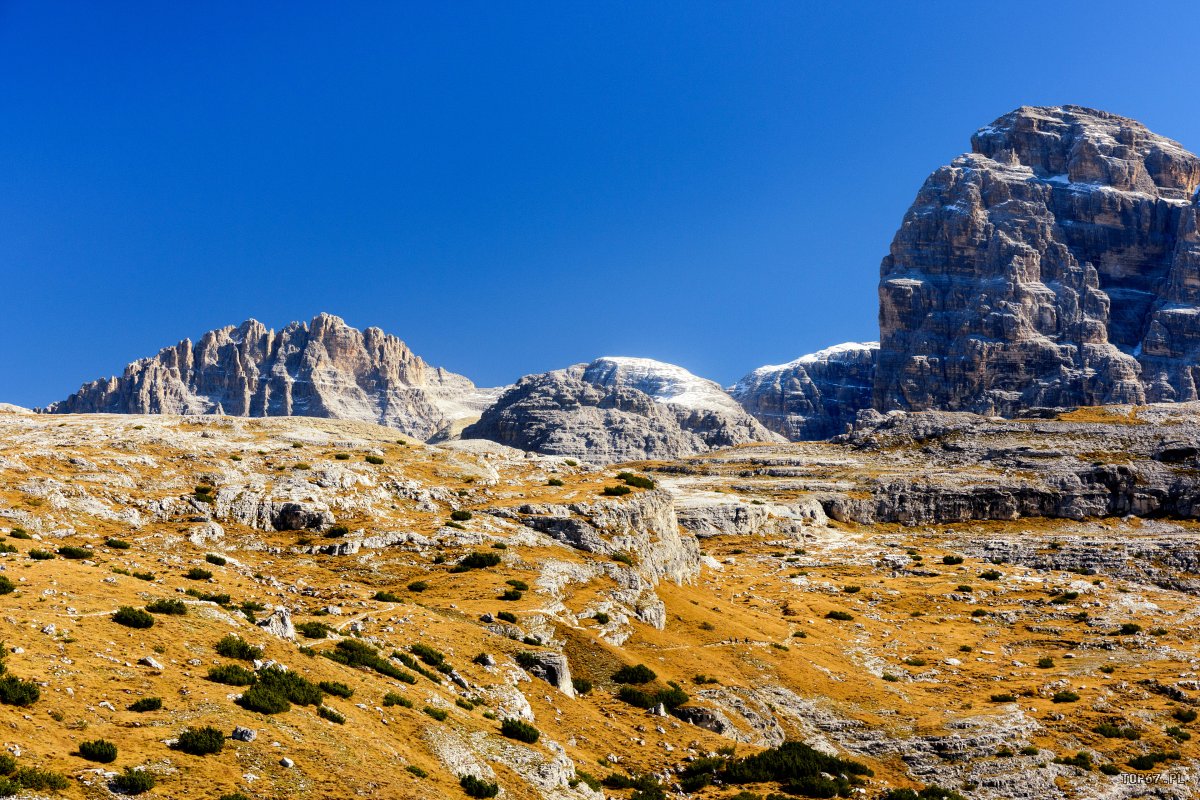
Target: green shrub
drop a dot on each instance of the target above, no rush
(198, 574)
(623, 558)
(1185, 714)
(143, 576)
(979, 612)
(40, 555)
(1045, 662)
(460, 515)
(418, 586)
(964, 587)
(670, 698)
(634, 674)
(1178, 734)
(232, 646)
(264, 700)
(601, 618)
(991, 575)
(581, 685)
(200, 741)
(291, 685)
(174, 607)
(19, 533)
(216, 560)
(474, 787)
(17, 692)
(117, 544)
(1150, 760)
(915, 661)
(797, 767)
(132, 617)
(951, 561)
(931, 792)
(5, 547)
(134, 781)
(387, 597)
(437, 713)
(415, 666)
(415, 770)
(840, 615)
(1004, 697)
(476, 560)
(518, 729)
(851, 589)
(219, 598)
(231, 675)
(69, 551)
(371, 459)
(1064, 697)
(354, 653)
(1110, 731)
(6, 586)
(511, 594)
(325, 712)
(555, 482)
(100, 750)
(393, 699)
(1130, 629)
(336, 688)
(616, 491)
(313, 630)
(506, 616)
(146, 704)
(337, 531)
(640, 481)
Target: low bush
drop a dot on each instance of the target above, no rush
(132, 617)
(313, 630)
(640, 481)
(198, 574)
(555, 482)
(477, 560)
(231, 675)
(336, 688)
(991, 575)
(337, 531)
(1150, 760)
(634, 674)
(601, 618)
(215, 560)
(616, 491)
(134, 781)
(19, 533)
(1111, 731)
(1045, 662)
(40, 555)
(474, 787)
(220, 598)
(117, 544)
(460, 515)
(1185, 714)
(393, 699)
(519, 730)
(506, 616)
(232, 646)
(581, 685)
(437, 713)
(387, 597)
(264, 700)
(1004, 697)
(511, 595)
(17, 692)
(951, 561)
(371, 459)
(146, 704)
(1064, 697)
(200, 741)
(325, 712)
(101, 750)
(931, 792)
(6, 586)
(70, 551)
(839, 615)
(354, 653)
(415, 770)
(173, 607)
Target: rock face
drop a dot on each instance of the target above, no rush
(321, 369)
(814, 397)
(1057, 264)
(618, 409)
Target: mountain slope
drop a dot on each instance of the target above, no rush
(814, 397)
(617, 409)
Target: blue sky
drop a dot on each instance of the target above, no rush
(508, 187)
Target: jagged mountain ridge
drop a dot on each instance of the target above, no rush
(618, 409)
(321, 369)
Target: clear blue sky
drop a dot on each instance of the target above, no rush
(508, 187)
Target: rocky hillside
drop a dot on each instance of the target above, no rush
(814, 397)
(467, 619)
(1057, 264)
(617, 409)
(321, 369)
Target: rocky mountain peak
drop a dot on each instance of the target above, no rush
(323, 368)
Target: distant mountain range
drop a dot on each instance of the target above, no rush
(1057, 264)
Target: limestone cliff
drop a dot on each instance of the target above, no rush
(1057, 264)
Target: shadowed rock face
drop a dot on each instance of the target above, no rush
(618, 409)
(1058, 264)
(322, 369)
(814, 397)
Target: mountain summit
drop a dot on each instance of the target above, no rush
(321, 369)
